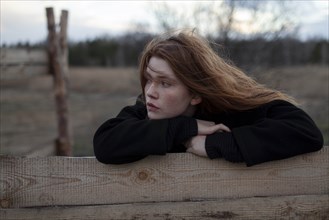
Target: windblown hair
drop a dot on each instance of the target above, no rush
(221, 85)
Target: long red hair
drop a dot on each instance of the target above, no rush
(221, 85)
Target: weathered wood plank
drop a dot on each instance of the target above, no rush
(12, 56)
(18, 63)
(286, 207)
(28, 182)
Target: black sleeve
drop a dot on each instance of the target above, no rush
(131, 136)
(285, 131)
(223, 145)
(282, 131)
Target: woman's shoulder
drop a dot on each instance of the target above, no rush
(278, 102)
(279, 105)
(137, 110)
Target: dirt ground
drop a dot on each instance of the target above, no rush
(28, 120)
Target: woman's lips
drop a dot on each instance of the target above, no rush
(151, 107)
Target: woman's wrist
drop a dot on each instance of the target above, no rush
(180, 129)
(212, 146)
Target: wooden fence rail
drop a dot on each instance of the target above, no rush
(176, 186)
(22, 63)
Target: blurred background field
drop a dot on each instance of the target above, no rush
(97, 94)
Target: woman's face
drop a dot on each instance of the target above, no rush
(166, 96)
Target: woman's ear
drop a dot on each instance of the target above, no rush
(196, 99)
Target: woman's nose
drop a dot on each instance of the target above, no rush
(152, 92)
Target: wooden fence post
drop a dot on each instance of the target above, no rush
(63, 44)
(57, 50)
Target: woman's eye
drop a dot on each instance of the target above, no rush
(165, 84)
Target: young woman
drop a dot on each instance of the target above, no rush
(194, 101)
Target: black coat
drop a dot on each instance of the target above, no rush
(276, 130)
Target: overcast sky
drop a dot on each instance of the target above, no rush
(26, 20)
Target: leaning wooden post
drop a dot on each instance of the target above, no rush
(58, 64)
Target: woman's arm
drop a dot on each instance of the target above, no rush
(283, 131)
(131, 136)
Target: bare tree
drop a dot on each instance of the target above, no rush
(168, 17)
(224, 19)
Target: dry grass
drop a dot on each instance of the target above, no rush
(27, 115)
(308, 84)
(102, 80)
(28, 119)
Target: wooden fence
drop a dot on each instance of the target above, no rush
(175, 186)
(22, 63)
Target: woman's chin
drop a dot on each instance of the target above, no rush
(154, 116)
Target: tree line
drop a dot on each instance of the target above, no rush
(125, 50)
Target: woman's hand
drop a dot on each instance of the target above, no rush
(209, 127)
(197, 144)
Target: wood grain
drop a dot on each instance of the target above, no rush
(286, 207)
(66, 181)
